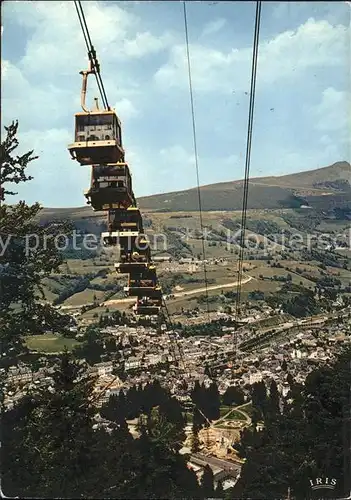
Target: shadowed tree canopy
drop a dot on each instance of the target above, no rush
(207, 484)
(52, 449)
(309, 439)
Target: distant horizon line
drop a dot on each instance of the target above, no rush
(211, 184)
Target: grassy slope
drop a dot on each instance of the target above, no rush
(264, 192)
(224, 199)
(49, 343)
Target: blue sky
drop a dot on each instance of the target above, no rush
(302, 99)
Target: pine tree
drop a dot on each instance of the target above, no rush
(293, 448)
(114, 410)
(91, 349)
(274, 398)
(219, 490)
(171, 410)
(233, 395)
(207, 370)
(162, 471)
(213, 402)
(48, 434)
(28, 254)
(195, 441)
(207, 485)
(259, 396)
(13, 170)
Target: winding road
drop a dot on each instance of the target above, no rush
(178, 295)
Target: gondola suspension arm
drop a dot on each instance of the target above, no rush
(84, 86)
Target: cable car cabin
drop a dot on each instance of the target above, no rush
(124, 227)
(110, 188)
(126, 220)
(130, 267)
(146, 274)
(148, 306)
(139, 290)
(143, 284)
(135, 250)
(98, 138)
(134, 247)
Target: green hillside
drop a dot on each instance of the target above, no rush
(332, 183)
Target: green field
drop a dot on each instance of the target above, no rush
(180, 229)
(84, 297)
(224, 410)
(50, 343)
(247, 408)
(235, 415)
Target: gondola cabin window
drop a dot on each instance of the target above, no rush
(112, 176)
(97, 127)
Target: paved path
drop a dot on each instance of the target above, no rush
(176, 295)
(231, 467)
(186, 292)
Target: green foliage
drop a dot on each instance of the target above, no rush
(256, 295)
(114, 318)
(176, 246)
(219, 490)
(303, 223)
(169, 282)
(233, 396)
(207, 485)
(28, 255)
(92, 347)
(79, 285)
(50, 448)
(46, 447)
(309, 439)
(214, 328)
(301, 306)
(264, 227)
(13, 169)
(207, 403)
(195, 441)
(326, 258)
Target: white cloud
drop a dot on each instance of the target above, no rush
(125, 109)
(41, 87)
(57, 46)
(290, 12)
(33, 105)
(213, 27)
(313, 44)
(173, 168)
(333, 113)
(47, 75)
(178, 155)
(145, 43)
(177, 168)
(58, 180)
(37, 139)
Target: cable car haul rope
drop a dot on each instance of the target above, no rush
(247, 165)
(98, 144)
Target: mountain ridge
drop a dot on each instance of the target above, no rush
(289, 191)
(323, 188)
